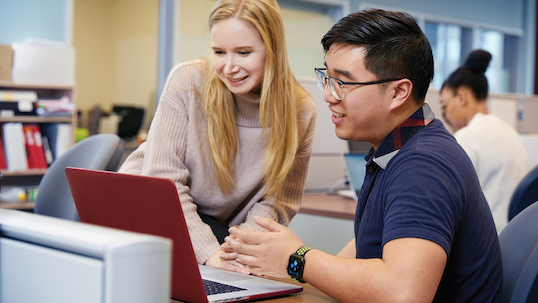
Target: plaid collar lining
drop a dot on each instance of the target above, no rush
(401, 134)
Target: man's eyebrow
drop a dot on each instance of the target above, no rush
(344, 73)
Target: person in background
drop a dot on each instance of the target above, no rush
(495, 148)
(423, 228)
(234, 132)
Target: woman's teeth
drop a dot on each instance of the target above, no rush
(237, 80)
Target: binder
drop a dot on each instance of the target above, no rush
(34, 146)
(58, 136)
(48, 152)
(15, 148)
(3, 163)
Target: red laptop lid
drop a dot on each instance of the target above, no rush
(140, 204)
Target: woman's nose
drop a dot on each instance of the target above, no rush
(230, 66)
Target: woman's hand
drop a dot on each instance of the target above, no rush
(228, 263)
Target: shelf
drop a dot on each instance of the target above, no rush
(33, 86)
(36, 119)
(32, 177)
(30, 172)
(19, 205)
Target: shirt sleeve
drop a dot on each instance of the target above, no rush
(423, 201)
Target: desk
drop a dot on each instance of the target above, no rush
(310, 294)
(323, 204)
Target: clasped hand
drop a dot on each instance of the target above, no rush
(264, 253)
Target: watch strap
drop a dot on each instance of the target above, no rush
(301, 252)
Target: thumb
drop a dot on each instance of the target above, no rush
(268, 224)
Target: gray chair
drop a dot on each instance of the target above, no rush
(525, 194)
(100, 152)
(519, 248)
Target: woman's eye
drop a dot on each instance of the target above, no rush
(218, 52)
(244, 53)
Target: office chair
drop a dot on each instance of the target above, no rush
(519, 248)
(101, 152)
(525, 194)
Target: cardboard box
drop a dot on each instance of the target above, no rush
(6, 62)
(34, 63)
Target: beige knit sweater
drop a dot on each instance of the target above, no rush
(177, 148)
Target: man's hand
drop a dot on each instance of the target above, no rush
(265, 253)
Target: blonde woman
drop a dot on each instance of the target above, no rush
(234, 132)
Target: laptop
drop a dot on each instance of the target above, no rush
(151, 205)
(355, 166)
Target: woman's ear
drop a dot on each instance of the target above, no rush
(401, 92)
(463, 95)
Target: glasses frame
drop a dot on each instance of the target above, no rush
(327, 78)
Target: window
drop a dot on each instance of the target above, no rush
(451, 44)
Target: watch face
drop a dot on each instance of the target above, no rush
(296, 266)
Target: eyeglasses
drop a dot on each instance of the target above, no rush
(337, 85)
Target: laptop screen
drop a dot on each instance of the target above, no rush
(355, 166)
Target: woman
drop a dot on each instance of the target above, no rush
(235, 132)
(495, 148)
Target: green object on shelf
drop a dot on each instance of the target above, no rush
(81, 134)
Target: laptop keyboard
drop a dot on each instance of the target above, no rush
(213, 288)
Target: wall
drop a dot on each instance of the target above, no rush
(116, 44)
(22, 19)
(304, 48)
(94, 65)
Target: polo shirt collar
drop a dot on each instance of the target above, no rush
(400, 135)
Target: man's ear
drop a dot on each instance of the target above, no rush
(401, 92)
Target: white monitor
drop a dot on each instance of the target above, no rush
(50, 260)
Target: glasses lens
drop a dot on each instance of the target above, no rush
(321, 79)
(337, 88)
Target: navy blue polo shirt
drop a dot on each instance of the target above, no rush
(420, 183)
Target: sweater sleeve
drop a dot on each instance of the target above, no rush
(163, 154)
(287, 207)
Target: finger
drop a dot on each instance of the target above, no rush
(247, 260)
(226, 247)
(235, 267)
(229, 256)
(239, 246)
(238, 235)
(268, 224)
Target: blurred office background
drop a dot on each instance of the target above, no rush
(125, 49)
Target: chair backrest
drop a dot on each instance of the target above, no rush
(525, 194)
(519, 248)
(101, 152)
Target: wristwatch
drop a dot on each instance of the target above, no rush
(296, 264)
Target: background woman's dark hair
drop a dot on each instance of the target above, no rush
(395, 46)
(471, 75)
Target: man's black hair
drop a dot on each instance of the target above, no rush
(395, 46)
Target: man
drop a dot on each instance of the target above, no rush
(423, 229)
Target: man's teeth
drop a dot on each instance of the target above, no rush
(337, 115)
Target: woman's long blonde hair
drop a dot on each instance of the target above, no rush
(280, 95)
